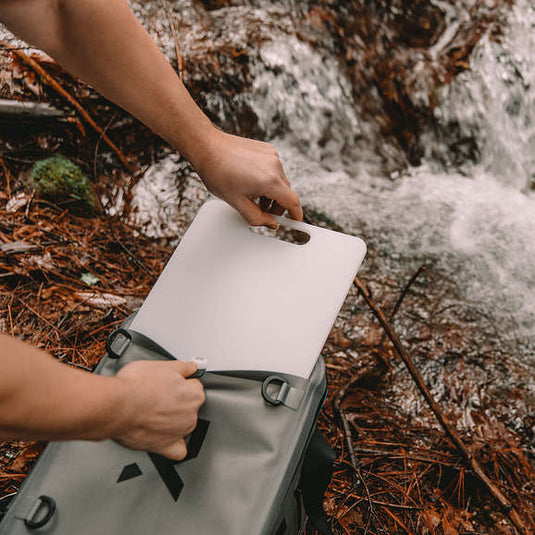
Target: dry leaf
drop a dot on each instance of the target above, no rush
(17, 202)
(100, 300)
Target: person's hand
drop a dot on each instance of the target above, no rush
(160, 407)
(240, 170)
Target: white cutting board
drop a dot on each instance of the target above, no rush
(246, 301)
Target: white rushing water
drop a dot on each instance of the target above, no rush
(476, 222)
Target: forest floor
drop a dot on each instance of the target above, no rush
(69, 275)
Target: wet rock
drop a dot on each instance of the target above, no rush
(393, 54)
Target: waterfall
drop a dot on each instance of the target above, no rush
(469, 207)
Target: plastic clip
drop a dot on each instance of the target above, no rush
(112, 353)
(34, 520)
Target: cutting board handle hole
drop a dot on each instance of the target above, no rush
(283, 233)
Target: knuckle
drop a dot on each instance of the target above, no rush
(256, 220)
(270, 178)
(198, 391)
(294, 200)
(273, 179)
(192, 423)
(182, 451)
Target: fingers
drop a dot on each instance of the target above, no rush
(175, 452)
(186, 369)
(276, 208)
(201, 396)
(283, 174)
(268, 205)
(256, 171)
(283, 195)
(253, 214)
(287, 198)
(264, 203)
(271, 205)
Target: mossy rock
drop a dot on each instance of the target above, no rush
(60, 180)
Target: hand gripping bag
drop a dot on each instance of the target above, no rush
(256, 464)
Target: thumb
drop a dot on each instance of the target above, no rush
(252, 213)
(176, 451)
(185, 368)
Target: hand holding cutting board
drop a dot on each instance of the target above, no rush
(239, 170)
(246, 301)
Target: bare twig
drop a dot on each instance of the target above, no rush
(348, 438)
(97, 145)
(7, 174)
(172, 22)
(448, 427)
(396, 505)
(405, 291)
(401, 297)
(129, 253)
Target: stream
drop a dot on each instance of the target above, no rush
(448, 181)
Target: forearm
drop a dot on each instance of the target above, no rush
(40, 398)
(102, 42)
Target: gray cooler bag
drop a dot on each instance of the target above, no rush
(256, 465)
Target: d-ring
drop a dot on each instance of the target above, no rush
(43, 501)
(279, 399)
(112, 337)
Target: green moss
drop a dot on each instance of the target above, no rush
(321, 219)
(59, 180)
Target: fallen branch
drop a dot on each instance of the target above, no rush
(36, 111)
(448, 427)
(348, 437)
(54, 84)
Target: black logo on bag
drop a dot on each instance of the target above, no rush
(165, 467)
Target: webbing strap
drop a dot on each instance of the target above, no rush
(315, 477)
(286, 394)
(119, 340)
(292, 397)
(25, 506)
